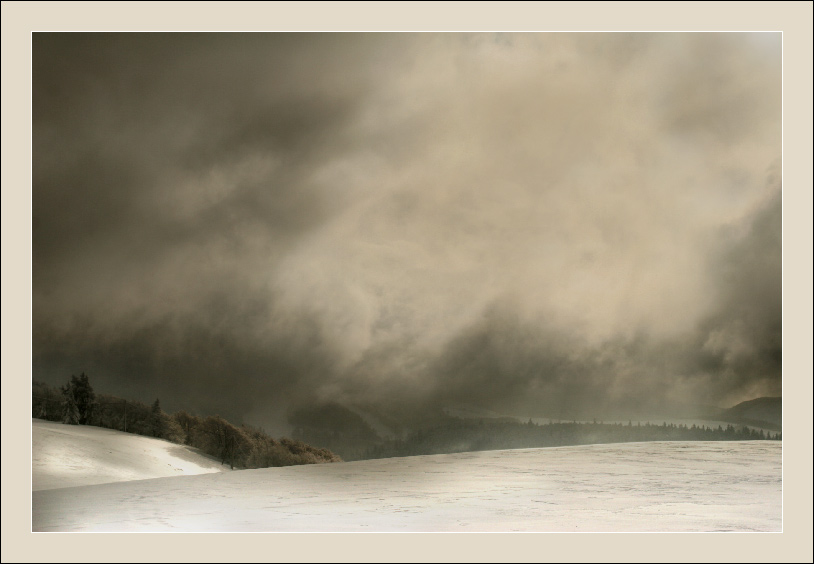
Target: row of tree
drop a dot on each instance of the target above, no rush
(239, 446)
(462, 435)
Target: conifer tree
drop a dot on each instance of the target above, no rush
(157, 422)
(83, 396)
(70, 413)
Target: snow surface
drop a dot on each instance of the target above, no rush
(79, 455)
(659, 486)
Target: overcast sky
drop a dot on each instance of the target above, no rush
(538, 224)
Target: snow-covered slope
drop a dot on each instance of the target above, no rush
(667, 486)
(78, 455)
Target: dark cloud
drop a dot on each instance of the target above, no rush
(742, 339)
(240, 223)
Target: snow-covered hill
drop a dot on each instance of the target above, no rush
(665, 486)
(79, 455)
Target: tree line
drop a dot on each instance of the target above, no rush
(242, 446)
(463, 435)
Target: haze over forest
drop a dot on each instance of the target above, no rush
(542, 224)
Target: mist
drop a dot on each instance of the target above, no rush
(547, 224)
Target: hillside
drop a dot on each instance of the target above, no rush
(757, 412)
(664, 486)
(80, 455)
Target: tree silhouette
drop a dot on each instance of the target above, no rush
(158, 423)
(83, 397)
(70, 412)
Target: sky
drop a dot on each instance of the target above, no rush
(542, 224)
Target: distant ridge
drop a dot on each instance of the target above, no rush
(758, 412)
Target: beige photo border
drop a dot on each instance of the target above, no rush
(20, 19)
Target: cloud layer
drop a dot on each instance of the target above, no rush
(238, 223)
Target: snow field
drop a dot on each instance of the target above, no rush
(663, 486)
(79, 455)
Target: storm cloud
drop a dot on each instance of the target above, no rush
(242, 223)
